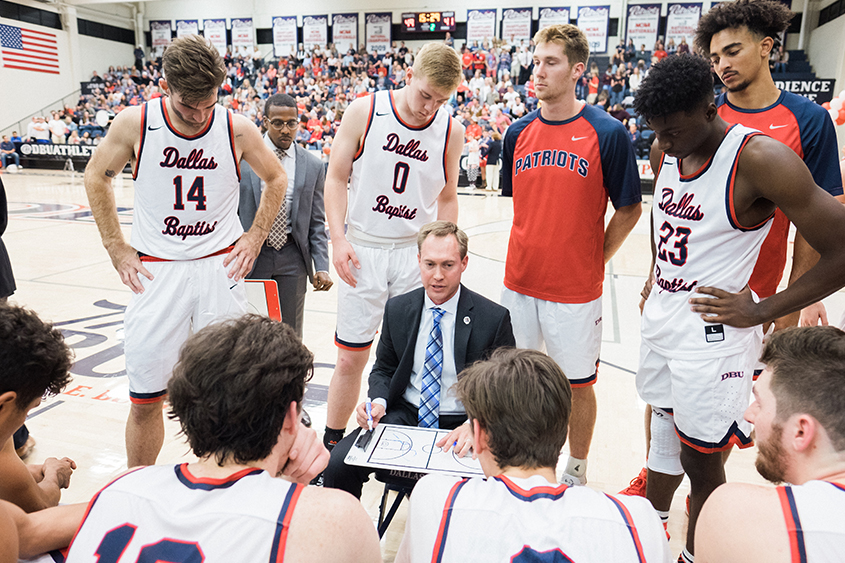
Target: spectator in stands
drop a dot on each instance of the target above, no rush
(634, 79)
(618, 112)
(95, 77)
(139, 57)
(58, 129)
(659, 52)
(644, 56)
(16, 138)
(74, 138)
(8, 152)
(617, 86)
(683, 47)
(38, 131)
(671, 48)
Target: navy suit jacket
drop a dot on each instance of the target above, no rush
(481, 326)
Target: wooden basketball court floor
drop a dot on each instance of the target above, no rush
(63, 273)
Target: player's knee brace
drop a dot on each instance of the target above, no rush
(664, 455)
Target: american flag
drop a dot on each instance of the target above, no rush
(28, 49)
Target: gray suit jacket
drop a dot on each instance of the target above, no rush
(308, 211)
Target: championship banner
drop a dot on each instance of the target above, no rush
(516, 25)
(553, 16)
(243, 36)
(378, 32)
(315, 31)
(481, 25)
(681, 21)
(187, 27)
(284, 36)
(160, 32)
(215, 32)
(594, 21)
(345, 32)
(642, 24)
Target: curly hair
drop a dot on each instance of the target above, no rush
(677, 83)
(233, 385)
(34, 359)
(763, 18)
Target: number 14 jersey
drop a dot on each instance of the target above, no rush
(186, 187)
(699, 242)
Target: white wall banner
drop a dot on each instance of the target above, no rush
(187, 27)
(284, 36)
(594, 22)
(243, 36)
(215, 32)
(378, 32)
(681, 21)
(160, 32)
(516, 25)
(553, 16)
(642, 24)
(315, 31)
(481, 25)
(345, 32)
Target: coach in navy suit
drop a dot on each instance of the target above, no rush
(472, 327)
(307, 247)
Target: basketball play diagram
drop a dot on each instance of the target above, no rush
(411, 449)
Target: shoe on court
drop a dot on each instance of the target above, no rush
(572, 480)
(638, 485)
(686, 509)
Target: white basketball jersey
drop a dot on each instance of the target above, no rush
(815, 519)
(699, 243)
(186, 188)
(398, 173)
(529, 520)
(164, 513)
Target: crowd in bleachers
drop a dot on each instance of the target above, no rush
(497, 89)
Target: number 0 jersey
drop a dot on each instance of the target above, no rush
(398, 172)
(699, 242)
(164, 513)
(186, 188)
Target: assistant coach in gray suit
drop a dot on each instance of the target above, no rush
(306, 249)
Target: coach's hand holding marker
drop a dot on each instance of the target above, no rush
(460, 440)
(369, 414)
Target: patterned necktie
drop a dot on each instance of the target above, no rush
(278, 232)
(429, 411)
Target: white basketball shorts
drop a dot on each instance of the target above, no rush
(571, 332)
(183, 297)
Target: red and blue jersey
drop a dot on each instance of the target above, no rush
(807, 129)
(560, 175)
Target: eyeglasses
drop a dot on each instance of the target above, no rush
(278, 123)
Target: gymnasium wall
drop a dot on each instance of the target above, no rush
(827, 55)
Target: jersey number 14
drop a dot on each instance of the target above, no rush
(196, 193)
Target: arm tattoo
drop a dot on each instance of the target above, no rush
(110, 173)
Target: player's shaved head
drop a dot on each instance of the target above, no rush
(680, 83)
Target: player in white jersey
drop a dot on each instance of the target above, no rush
(185, 227)
(716, 189)
(402, 151)
(519, 402)
(237, 392)
(799, 416)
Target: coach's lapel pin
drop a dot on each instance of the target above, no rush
(466, 320)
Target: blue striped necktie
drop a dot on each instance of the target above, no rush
(429, 411)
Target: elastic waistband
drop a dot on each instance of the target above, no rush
(363, 239)
(148, 258)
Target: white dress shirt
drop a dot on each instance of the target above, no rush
(449, 403)
(289, 164)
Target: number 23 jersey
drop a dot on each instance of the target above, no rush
(186, 187)
(699, 242)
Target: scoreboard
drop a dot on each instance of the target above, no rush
(428, 21)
